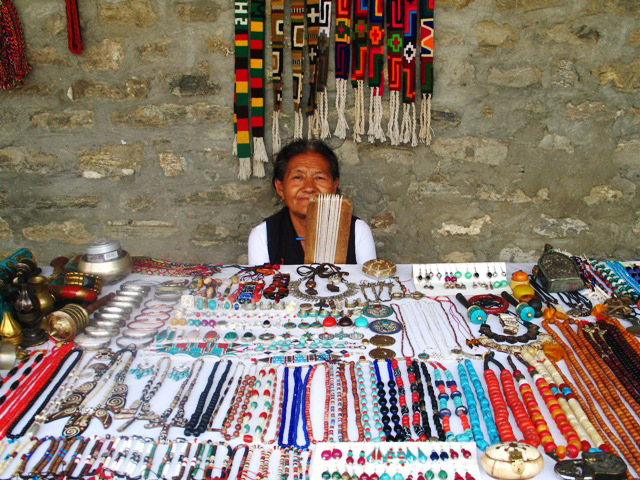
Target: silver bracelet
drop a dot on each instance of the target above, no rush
(137, 334)
(88, 343)
(101, 332)
(123, 342)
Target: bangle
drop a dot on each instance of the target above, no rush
(88, 343)
(98, 331)
(123, 342)
(118, 310)
(132, 333)
(144, 314)
(146, 326)
(108, 323)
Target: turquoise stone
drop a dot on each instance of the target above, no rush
(361, 322)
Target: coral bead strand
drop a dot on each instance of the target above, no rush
(500, 409)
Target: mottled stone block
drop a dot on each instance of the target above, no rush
(137, 13)
(457, 4)
(22, 160)
(107, 55)
(140, 203)
(5, 230)
(172, 165)
(169, 114)
(188, 85)
(110, 161)
(589, 110)
(209, 234)
(520, 77)
(219, 45)
(47, 56)
(603, 194)
(490, 34)
(550, 227)
(473, 229)
(566, 34)
(141, 228)
(155, 50)
(65, 120)
(471, 149)
(55, 24)
(525, 5)
(133, 88)
(71, 232)
(70, 201)
(228, 193)
(384, 223)
(198, 11)
(518, 196)
(621, 75)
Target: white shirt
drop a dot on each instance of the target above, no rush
(259, 250)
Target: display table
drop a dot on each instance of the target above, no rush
(430, 330)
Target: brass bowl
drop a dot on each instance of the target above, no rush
(111, 272)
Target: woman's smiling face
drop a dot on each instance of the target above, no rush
(307, 174)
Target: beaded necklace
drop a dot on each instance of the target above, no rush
(91, 456)
(341, 404)
(404, 433)
(14, 447)
(48, 455)
(75, 457)
(24, 374)
(498, 403)
(237, 374)
(434, 403)
(472, 409)
(266, 396)
(299, 399)
(456, 396)
(208, 413)
(356, 401)
(194, 468)
(211, 458)
(59, 456)
(365, 420)
(554, 398)
(135, 456)
(280, 402)
(425, 432)
(398, 311)
(485, 405)
(238, 407)
(31, 447)
(195, 417)
(373, 381)
(384, 409)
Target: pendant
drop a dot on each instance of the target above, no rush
(382, 353)
(326, 336)
(382, 340)
(388, 327)
(377, 311)
(356, 336)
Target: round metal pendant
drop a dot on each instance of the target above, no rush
(388, 327)
(382, 340)
(356, 336)
(423, 356)
(316, 324)
(382, 353)
(341, 335)
(289, 325)
(377, 311)
(326, 336)
(304, 325)
(267, 337)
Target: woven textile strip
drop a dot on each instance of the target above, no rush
(256, 71)
(313, 31)
(277, 55)
(241, 99)
(321, 116)
(13, 62)
(74, 36)
(359, 43)
(408, 130)
(376, 69)
(297, 47)
(395, 50)
(342, 62)
(427, 26)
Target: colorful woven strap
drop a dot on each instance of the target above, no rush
(395, 43)
(376, 45)
(359, 41)
(277, 56)
(297, 52)
(73, 27)
(160, 266)
(426, 46)
(409, 60)
(322, 69)
(343, 39)
(256, 39)
(241, 99)
(313, 32)
(13, 61)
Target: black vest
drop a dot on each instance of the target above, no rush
(283, 246)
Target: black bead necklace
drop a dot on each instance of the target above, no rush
(204, 421)
(384, 409)
(393, 409)
(195, 417)
(418, 386)
(434, 404)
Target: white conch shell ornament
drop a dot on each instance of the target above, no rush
(512, 461)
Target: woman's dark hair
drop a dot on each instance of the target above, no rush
(298, 147)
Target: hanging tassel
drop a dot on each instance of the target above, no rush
(13, 61)
(275, 131)
(310, 127)
(377, 117)
(297, 131)
(359, 127)
(341, 102)
(425, 119)
(325, 130)
(372, 126)
(405, 127)
(414, 126)
(245, 168)
(393, 129)
(260, 157)
(73, 27)
(234, 149)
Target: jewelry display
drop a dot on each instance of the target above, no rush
(472, 278)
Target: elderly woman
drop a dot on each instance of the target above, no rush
(303, 168)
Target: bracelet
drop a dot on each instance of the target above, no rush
(108, 323)
(90, 343)
(101, 332)
(118, 310)
(137, 334)
(123, 342)
(146, 326)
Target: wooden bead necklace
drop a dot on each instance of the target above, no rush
(238, 372)
(342, 404)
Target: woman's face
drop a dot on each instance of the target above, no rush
(307, 174)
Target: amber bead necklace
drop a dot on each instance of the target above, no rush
(579, 374)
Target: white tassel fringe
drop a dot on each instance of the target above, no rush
(276, 142)
(341, 102)
(425, 119)
(260, 157)
(245, 168)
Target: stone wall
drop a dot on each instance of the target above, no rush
(536, 120)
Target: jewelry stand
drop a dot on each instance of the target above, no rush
(435, 279)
